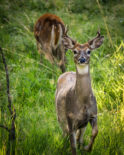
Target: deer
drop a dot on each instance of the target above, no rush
(52, 39)
(75, 102)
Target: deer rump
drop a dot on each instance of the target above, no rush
(48, 31)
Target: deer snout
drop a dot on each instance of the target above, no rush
(82, 60)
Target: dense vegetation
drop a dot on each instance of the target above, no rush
(33, 83)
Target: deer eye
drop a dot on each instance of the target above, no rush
(88, 52)
(75, 52)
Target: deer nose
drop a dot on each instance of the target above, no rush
(82, 60)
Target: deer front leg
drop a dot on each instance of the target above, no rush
(79, 136)
(93, 123)
(72, 137)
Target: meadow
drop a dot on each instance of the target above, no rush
(33, 84)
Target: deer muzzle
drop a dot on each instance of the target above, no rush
(82, 60)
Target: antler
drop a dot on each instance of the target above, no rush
(98, 33)
(66, 35)
(68, 42)
(97, 41)
(66, 29)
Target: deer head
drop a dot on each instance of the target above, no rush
(82, 51)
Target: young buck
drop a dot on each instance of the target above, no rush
(51, 36)
(75, 102)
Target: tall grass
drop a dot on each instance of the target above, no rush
(33, 83)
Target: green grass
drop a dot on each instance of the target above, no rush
(33, 83)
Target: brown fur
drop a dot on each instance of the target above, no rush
(44, 25)
(51, 46)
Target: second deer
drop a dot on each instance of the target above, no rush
(75, 101)
(52, 39)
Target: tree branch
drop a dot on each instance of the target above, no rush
(7, 80)
(11, 130)
(12, 112)
(2, 126)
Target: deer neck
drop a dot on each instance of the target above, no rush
(83, 83)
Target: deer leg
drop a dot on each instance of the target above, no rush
(72, 137)
(93, 123)
(62, 66)
(48, 53)
(39, 50)
(44, 49)
(62, 59)
(38, 47)
(79, 136)
(49, 57)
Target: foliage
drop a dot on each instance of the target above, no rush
(33, 83)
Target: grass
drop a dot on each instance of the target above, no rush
(33, 83)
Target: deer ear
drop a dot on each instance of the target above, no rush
(68, 42)
(96, 42)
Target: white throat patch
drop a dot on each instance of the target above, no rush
(82, 69)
